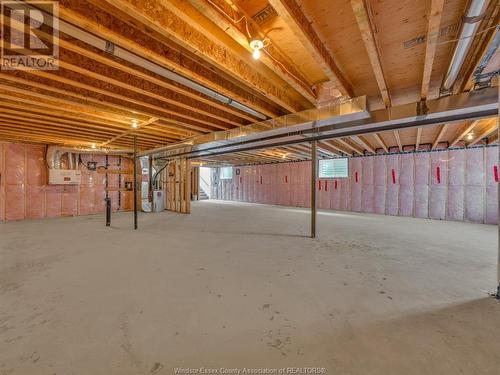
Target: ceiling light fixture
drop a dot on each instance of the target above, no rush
(470, 136)
(93, 145)
(135, 124)
(256, 45)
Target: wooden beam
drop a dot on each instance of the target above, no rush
(138, 38)
(304, 30)
(493, 139)
(330, 148)
(134, 87)
(130, 131)
(272, 57)
(433, 27)
(349, 146)
(439, 136)
(363, 143)
(170, 19)
(464, 131)
(484, 134)
(332, 143)
(365, 26)
(380, 142)
(419, 135)
(398, 140)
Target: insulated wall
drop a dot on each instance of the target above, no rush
(458, 184)
(25, 194)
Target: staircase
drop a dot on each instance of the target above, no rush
(203, 195)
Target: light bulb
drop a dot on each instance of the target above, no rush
(470, 136)
(93, 145)
(256, 54)
(134, 124)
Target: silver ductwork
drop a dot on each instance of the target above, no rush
(55, 154)
(471, 23)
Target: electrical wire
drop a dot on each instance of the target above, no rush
(225, 13)
(305, 85)
(300, 81)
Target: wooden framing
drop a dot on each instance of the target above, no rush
(441, 131)
(367, 34)
(435, 16)
(178, 185)
(305, 32)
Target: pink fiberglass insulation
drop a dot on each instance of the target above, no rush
(422, 170)
(306, 181)
(380, 181)
(392, 191)
(356, 181)
(474, 190)
(53, 198)
(345, 194)
(335, 194)
(15, 181)
(438, 191)
(406, 185)
(25, 194)
(35, 205)
(453, 185)
(367, 190)
(69, 201)
(456, 182)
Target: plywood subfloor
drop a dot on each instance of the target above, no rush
(238, 285)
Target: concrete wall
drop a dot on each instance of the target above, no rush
(25, 194)
(456, 184)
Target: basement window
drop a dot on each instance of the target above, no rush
(226, 173)
(334, 168)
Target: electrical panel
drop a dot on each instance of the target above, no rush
(64, 177)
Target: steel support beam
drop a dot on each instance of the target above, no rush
(467, 106)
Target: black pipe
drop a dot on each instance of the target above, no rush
(108, 211)
(135, 182)
(150, 185)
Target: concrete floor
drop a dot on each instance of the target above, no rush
(238, 285)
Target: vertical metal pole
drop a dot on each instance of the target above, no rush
(150, 192)
(135, 181)
(108, 212)
(314, 173)
(498, 198)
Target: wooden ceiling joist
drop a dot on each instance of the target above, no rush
(490, 128)
(167, 20)
(398, 140)
(272, 57)
(128, 35)
(363, 143)
(349, 146)
(304, 30)
(436, 13)
(365, 26)
(466, 129)
(380, 142)
(419, 136)
(439, 135)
